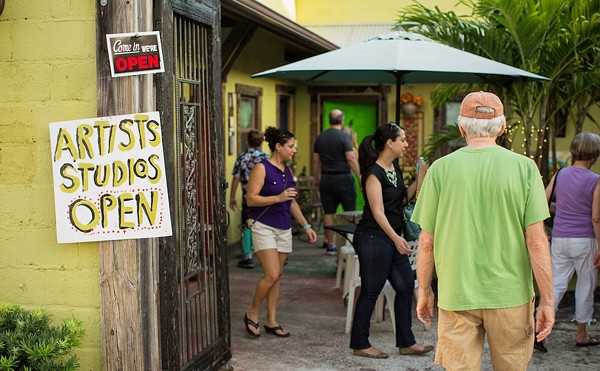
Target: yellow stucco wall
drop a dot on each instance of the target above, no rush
(286, 8)
(359, 11)
(47, 73)
(265, 51)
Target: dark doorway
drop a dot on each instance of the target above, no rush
(284, 112)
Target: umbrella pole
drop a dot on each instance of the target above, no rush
(398, 87)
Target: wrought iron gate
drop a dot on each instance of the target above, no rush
(193, 270)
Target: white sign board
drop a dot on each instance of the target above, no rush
(109, 178)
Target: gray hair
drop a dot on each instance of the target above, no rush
(478, 128)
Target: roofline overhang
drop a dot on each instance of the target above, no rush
(266, 18)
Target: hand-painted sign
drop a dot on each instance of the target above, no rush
(109, 178)
(134, 53)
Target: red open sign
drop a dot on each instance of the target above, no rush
(137, 63)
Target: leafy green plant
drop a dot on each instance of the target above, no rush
(559, 39)
(450, 135)
(29, 342)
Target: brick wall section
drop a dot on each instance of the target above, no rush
(47, 73)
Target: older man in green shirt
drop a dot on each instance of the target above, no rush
(481, 210)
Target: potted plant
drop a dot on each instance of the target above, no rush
(410, 102)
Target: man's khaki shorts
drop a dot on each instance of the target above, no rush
(510, 333)
(265, 237)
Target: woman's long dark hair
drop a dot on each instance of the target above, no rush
(274, 135)
(371, 145)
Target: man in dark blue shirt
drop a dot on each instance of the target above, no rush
(334, 161)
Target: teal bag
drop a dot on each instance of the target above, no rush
(247, 240)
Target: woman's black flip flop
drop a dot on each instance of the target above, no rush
(249, 322)
(273, 331)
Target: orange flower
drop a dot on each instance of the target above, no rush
(417, 100)
(407, 97)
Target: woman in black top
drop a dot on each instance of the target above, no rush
(381, 249)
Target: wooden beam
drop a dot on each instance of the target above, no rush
(128, 282)
(237, 39)
(297, 55)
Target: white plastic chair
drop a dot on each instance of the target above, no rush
(388, 291)
(345, 255)
(353, 273)
(346, 252)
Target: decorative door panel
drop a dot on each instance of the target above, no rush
(195, 302)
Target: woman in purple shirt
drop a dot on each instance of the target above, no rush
(576, 231)
(271, 201)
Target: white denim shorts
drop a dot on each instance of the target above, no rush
(265, 237)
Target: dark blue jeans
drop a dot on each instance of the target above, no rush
(380, 261)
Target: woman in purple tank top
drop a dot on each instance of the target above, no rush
(271, 201)
(576, 231)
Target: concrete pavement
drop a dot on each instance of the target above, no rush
(314, 313)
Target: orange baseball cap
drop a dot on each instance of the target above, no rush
(468, 107)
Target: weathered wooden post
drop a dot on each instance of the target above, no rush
(128, 268)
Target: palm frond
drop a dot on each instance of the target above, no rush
(450, 135)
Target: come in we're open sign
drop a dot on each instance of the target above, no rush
(134, 53)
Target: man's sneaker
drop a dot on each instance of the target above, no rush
(325, 245)
(331, 250)
(246, 263)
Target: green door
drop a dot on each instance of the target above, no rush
(362, 118)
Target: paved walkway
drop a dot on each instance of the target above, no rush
(314, 313)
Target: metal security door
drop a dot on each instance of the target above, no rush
(194, 282)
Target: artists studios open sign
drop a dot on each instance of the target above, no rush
(109, 178)
(134, 53)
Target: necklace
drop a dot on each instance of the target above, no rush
(391, 175)
(280, 166)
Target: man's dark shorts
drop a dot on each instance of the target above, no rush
(337, 189)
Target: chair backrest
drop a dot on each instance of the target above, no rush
(356, 269)
(412, 257)
(307, 183)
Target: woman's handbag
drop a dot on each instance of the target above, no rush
(411, 230)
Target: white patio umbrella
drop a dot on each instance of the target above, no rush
(397, 58)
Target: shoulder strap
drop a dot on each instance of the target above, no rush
(552, 195)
